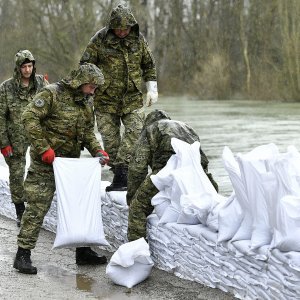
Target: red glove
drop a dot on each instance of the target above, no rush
(104, 158)
(48, 156)
(7, 151)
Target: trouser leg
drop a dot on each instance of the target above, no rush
(16, 164)
(133, 124)
(109, 126)
(39, 191)
(140, 207)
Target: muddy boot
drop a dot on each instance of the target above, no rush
(120, 179)
(23, 262)
(86, 256)
(20, 208)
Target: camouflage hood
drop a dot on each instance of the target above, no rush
(154, 116)
(122, 17)
(86, 73)
(21, 57)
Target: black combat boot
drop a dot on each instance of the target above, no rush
(20, 208)
(23, 262)
(120, 179)
(86, 256)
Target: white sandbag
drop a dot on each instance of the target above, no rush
(4, 173)
(253, 168)
(198, 204)
(161, 201)
(130, 264)
(287, 231)
(79, 220)
(213, 216)
(183, 176)
(230, 217)
(244, 231)
(170, 215)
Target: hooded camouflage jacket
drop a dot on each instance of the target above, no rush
(13, 100)
(124, 62)
(61, 116)
(154, 149)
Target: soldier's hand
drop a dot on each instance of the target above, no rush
(7, 151)
(152, 94)
(103, 157)
(48, 156)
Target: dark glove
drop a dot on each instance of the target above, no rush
(103, 157)
(48, 156)
(7, 151)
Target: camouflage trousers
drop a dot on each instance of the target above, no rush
(16, 164)
(140, 208)
(119, 145)
(39, 190)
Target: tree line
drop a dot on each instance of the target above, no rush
(210, 49)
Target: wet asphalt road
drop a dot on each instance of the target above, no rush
(60, 278)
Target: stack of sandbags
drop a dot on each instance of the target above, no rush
(192, 252)
(114, 217)
(6, 206)
(266, 197)
(181, 184)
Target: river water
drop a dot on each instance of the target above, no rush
(240, 125)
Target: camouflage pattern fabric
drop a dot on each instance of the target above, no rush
(110, 125)
(39, 191)
(140, 209)
(13, 99)
(125, 63)
(153, 149)
(62, 118)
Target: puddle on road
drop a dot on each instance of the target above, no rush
(87, 284)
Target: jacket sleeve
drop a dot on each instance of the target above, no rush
(32, 118)
(138, 166)
(4, 141)
(90, 54)
(148, 63)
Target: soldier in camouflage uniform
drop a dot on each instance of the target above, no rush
(154, 149)
(121, 51)
(59, 123)
(15, 94)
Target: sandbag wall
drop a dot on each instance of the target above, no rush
(192, 252)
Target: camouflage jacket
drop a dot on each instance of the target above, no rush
(154, 149)
(62, 118)
(124, 63)
(13, 100)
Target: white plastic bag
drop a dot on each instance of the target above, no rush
(244, 231)
(287, 231)
(229, 219)
(79, 220)
(184, 182)
(130, 264)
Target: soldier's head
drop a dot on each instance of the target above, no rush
(25, 63)
(122, 21)
(154, 116)
(86, 78)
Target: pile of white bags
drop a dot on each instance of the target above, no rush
(186, 195)
(267, 197)
(130, 264)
